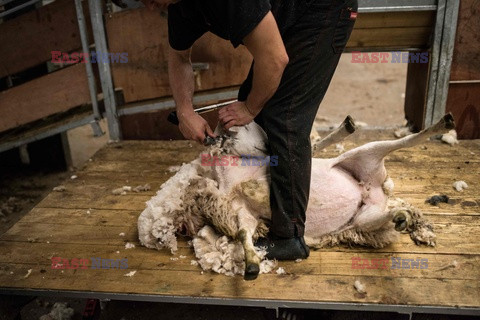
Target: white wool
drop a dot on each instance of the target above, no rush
(129, 245)
(59, 188)
(127, 188)
(225, 256)
(73, 177)
(281, 271)
(450, 137)
(59, 311)
(194, 262)
(359, 287)
(402, 132)
(140, 188)
(388, 186)
(451, 265)
(266, 266)
(122, 234)
(460, 185)
(29, 272)
(173, 169)
(360, 124)
(130, 274)
(298, 260)
(156, 226)
(339, 148)
(117, 191)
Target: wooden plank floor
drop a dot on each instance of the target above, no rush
(85, 221)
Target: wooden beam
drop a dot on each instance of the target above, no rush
(28, 40)
(56, 92)
(395, 19)
(381, 38)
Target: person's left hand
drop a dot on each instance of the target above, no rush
(235, 114)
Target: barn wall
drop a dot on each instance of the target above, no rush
(464, 98)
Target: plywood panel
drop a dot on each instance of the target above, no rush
(55, 92)
(29, 39)
(145, 76)
(395, 19)
(391, 38)
(464, 103)
(416, 94)
(466, 53)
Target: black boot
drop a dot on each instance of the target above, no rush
(284, 248)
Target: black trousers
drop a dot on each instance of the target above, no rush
(314, 33)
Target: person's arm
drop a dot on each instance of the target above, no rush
(180, 72)
(270, 56)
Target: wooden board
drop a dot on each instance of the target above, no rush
(463, 98)
(416, 94)
(466, 53)
(56, 92)
(145, 75)
(464, 103)
(28, 40)
(403, 19)
(86, 220)
(383, 39)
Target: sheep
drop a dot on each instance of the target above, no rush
(351, 201)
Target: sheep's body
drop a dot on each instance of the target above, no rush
(349, 202)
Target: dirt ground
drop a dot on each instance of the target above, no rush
(373, 94)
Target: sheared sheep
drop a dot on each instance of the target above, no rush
(350, 201)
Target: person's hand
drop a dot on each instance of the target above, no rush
(235, 114)
(194, 127)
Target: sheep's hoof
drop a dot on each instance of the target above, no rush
(401, 220)
(251, 271)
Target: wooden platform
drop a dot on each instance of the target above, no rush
(85, 221)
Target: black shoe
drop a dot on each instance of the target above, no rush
(284, 248)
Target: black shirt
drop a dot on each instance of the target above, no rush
(232, 20)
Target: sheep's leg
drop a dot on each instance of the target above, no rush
(365, 163)
(247, 225)
(344, 130)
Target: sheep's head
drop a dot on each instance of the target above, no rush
(244, 140)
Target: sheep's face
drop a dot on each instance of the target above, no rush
(245, 140)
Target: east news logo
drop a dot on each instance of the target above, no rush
(96, 263)
(384, 263)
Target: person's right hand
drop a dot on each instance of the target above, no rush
(194, 127)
